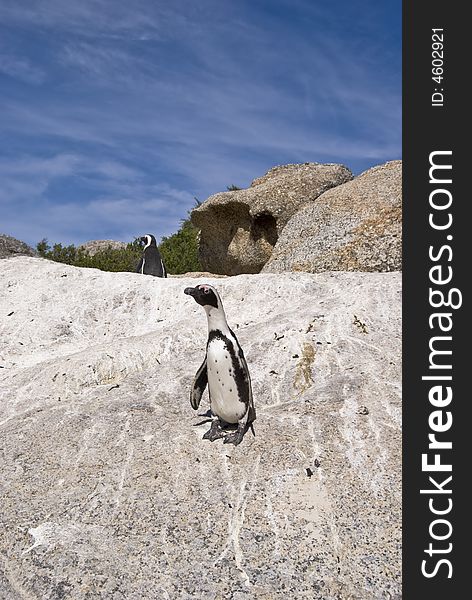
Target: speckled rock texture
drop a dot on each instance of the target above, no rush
(94, 246)
(108, 490)
(356, 226)
(10, 246)
(240, 228)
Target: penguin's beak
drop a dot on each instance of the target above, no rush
(191, 291)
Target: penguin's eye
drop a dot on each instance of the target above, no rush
(206, 290)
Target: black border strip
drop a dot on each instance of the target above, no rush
(435, 127)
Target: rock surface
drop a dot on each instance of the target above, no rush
(94, 246)
(109, 491)
(240, 228)
(10, 246)
(356, 226)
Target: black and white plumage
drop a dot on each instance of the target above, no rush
(151, 263)
(224, 370)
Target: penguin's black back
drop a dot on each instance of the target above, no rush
(152, 263)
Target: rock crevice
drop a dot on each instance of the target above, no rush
(240, 228)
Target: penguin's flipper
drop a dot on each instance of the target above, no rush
(199, 384)
(251, 412)
(140, 266)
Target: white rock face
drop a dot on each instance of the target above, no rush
(108, 490)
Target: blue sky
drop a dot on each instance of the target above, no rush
(115, 114)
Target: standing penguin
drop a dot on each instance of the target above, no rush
(151, 263)
(225, 370)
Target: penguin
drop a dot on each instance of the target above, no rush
(225, 371)
(151, 263)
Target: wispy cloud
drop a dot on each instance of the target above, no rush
(148, 96)
(87, 17)
(124, 202)
(21, 68)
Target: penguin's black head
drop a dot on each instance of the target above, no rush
(148, 240)
(203, 295)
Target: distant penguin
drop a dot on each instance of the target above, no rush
(151, 263)
(224, 370)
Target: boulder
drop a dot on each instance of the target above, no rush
(10, 246)
(240, 228)
(356, 226)
(109, 490)
(94, 246)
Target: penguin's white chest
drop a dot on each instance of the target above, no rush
(224, 397)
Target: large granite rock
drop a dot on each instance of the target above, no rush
(10, 246)
(108, 490)
(356, 226)
(240, 228)
(94, 246)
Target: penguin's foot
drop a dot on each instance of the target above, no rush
(215, 432)
(236, 437)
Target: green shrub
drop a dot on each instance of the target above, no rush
(179, 252)
(121, 259)
(59, 253)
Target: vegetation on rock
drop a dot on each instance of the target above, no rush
(179, 252)
(110, 259)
